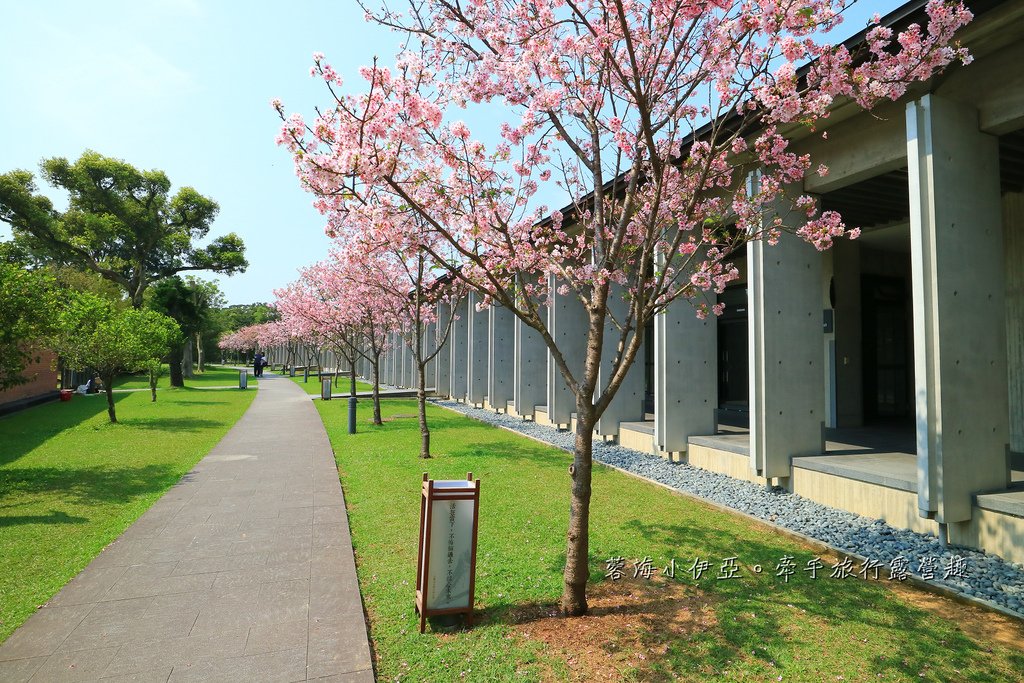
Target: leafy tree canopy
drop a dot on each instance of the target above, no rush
(121, 223)
(237, 316)
(92, 332)
(27, 302)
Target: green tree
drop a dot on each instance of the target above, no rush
(27, 302)
(207, 298)
(121, 223)
(237, 316)
(92, 332)
(174, 298)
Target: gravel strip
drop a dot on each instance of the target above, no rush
(983, 576)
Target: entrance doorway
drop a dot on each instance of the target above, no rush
(733, 376)
(885, 336)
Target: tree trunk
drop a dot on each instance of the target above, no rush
(108, 388)
(200, 355)
(376, 391)
(176, 357)
(186, 364)
(152, 385)
(352, 374)
(421, 400)
(577, 569)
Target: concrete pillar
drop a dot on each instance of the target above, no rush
(787, 391)
(411, 376)
(429, 344)
(476, 350)
(396, 360)
(399, 360)
(567, 324)
(959, 308)
(457, 338)
(628, 403)
(404, 363)
(392, 375)
(442, 363)
(501, 358)
(685, 376)
(529, 381)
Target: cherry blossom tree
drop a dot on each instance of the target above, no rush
(394, 277)
(651, 116)
(241, 341)
(324, 303)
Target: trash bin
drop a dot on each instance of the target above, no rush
(66, 394)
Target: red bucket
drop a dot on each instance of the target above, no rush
(66, 394)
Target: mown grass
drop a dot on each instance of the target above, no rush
(763, 629)
(342, 386)
(71, 482)
(214, 376)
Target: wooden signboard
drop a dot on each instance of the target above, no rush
(446, 561)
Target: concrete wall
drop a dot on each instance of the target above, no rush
(1013, 237)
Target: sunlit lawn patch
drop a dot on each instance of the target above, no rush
(71, 482)
(214, 376)
(753, 628)
(342, 386)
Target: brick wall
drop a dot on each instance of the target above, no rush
(42, 376)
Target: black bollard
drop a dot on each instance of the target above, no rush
(352, 415)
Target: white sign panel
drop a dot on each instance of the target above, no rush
(451, 538)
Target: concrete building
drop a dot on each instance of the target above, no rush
(884, 376)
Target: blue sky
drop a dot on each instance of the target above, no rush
(183, 86)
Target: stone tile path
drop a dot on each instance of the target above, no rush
(243, 571)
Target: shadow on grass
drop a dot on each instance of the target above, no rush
(169, 424)
(88, 485)
(55, 517)
(761, 614)
(24, 431)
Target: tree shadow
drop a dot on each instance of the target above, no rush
(26, 430)
(169, 424)
(88, 484)
(758, 613)
(55, 517)
(193, 402)
(546, 456)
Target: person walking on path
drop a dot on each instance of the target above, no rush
(258, 363)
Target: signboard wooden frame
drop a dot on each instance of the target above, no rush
(444, 491)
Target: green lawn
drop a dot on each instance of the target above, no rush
(757, 628)
(71, 482)
(342, 386)
(215, 376)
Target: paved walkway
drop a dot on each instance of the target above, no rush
(243, 571)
